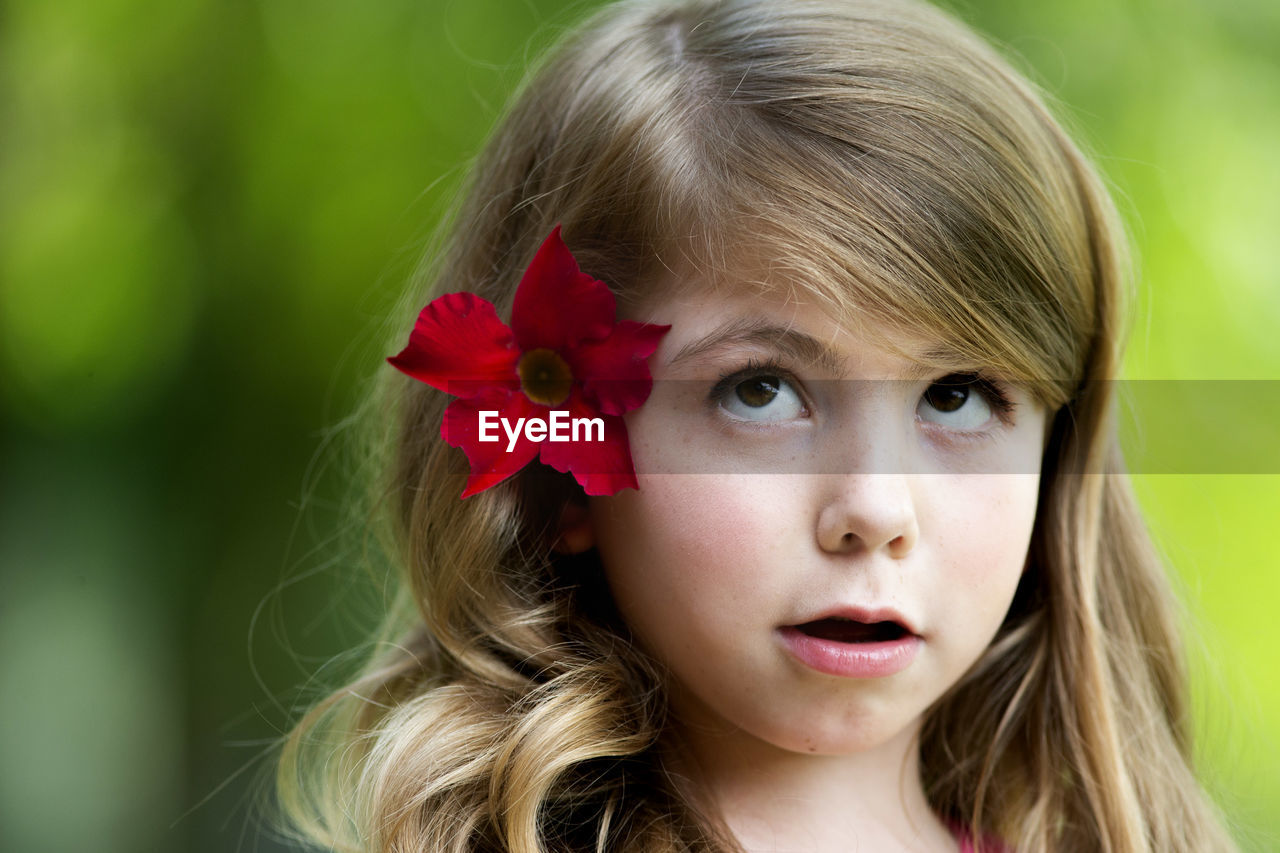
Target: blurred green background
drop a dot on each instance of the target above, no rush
(207, 211)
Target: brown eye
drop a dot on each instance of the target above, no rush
(759, 398)
(956, 402)
(759, 391)
(947, 398)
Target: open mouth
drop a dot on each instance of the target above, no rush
(849, 631)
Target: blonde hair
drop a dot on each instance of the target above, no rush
(883, 161)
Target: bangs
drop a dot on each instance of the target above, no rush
(901, 174)
(951, 250)
(880, 162)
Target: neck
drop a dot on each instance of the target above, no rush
(773, 799)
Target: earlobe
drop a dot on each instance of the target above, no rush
(574, 534)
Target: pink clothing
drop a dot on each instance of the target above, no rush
(989, 844)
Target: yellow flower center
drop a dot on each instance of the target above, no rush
(545, 377)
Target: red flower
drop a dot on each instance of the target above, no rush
(563, 353)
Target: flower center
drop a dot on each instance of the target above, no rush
(545, 377)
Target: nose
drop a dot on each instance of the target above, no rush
(868, 512)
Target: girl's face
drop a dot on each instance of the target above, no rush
(815, 553)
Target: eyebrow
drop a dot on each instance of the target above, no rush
(802, 347)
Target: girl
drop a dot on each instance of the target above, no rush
(880, 584)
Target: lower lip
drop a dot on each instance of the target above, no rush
(852, 660)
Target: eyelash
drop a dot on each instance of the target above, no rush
(752, 370)
(1001, 405)
(991, 390)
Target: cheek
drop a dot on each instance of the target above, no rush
(691, 546)
(983, 531)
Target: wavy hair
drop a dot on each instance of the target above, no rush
(886, 162)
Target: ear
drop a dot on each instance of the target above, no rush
(574, 534)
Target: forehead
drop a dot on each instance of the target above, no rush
(708, 322)
(758, 285)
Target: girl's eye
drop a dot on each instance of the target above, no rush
(963, 402)
(762, 397)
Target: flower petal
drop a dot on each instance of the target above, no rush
(614, 374)
(556, 304)
(600, 467)
(460, 346)
(491, 463)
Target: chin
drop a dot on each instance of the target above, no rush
(843, 734)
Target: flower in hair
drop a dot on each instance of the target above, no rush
(554, 385)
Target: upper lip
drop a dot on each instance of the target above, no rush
(868, 615)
